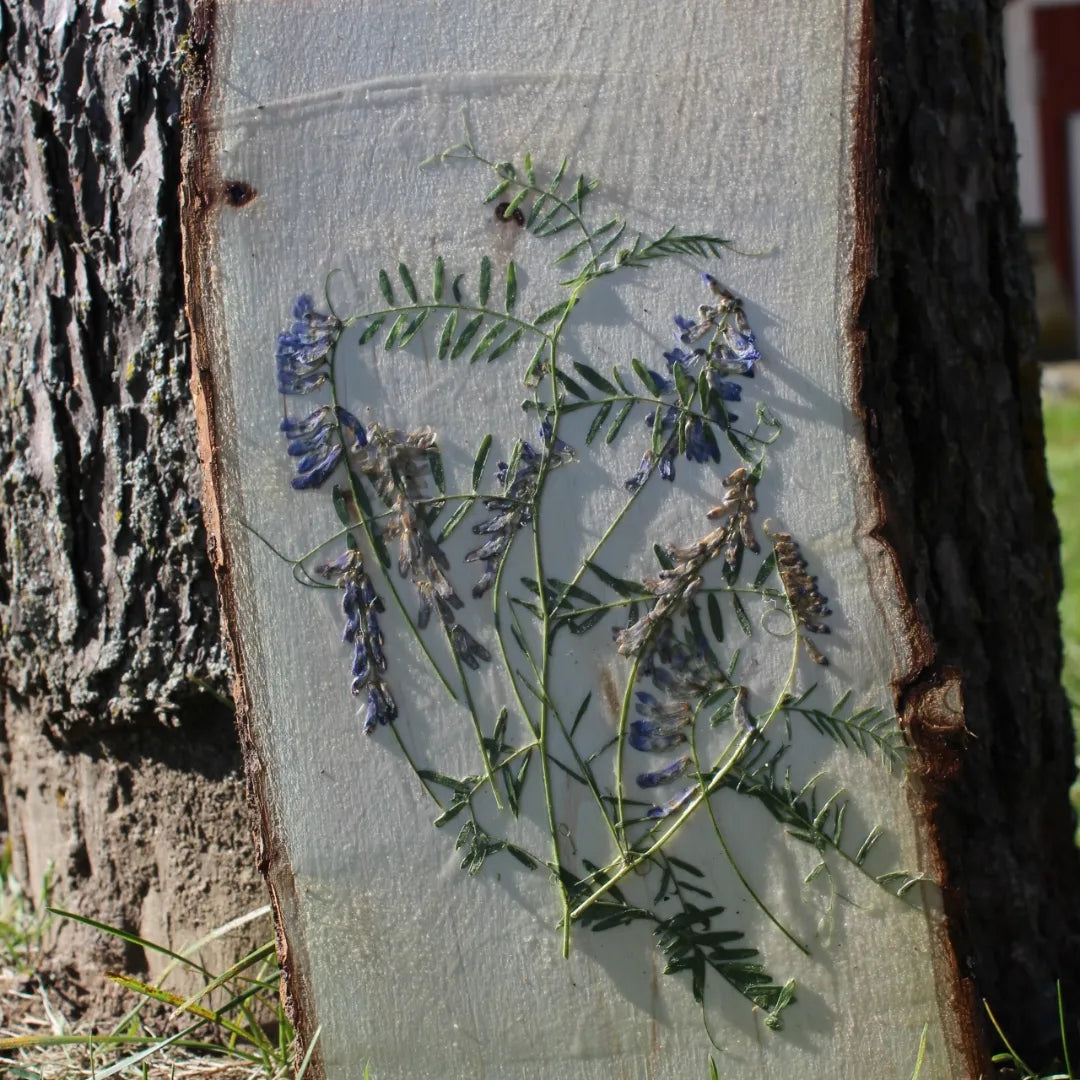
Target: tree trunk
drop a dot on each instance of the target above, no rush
(916, 433)
(118, 769)
(950, 397)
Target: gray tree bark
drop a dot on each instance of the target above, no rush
(950, 391)
(117, 767)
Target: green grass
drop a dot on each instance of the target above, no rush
(1062, 420)
(236, 1017)
(24, 920)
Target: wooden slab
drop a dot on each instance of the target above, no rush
(725, 120)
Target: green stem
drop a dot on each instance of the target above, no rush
(728, 853)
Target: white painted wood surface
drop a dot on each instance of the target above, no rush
(730, 117)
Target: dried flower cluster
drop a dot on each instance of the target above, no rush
(361, 606)
(684, 671)
(514, 508)
(304, 349)
(396, 463)
(731, 351)
(675, 588)
(804, 597)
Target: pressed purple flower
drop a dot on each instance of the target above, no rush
(303, 350)
(467, 648)
(683, 359)
(735, 353)
(648, 705)
(360, 669)
(667, 463)
(351, 424)
(375, 641)
(359, 604)
(318, 469)
(699, 446)
(728, 391)
(684, 328)
(299, 427)
(668, 808)
(667, 775)
(514, 510)
(653, 735)
(643, 472)
(381, 708)
(560, 451)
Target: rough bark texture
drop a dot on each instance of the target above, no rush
(117, 767)
(950, 392)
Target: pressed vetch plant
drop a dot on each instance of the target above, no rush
(680, 632)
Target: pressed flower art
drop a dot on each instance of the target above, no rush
(692, 723)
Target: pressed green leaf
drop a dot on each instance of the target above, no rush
(496, 191)
(693, 618)
(619, 380)
(617, 423)
(740, 614)
(765, 570)
(449, 814)
(611, 241)
(659, 439)
(705, 391)
(740, 447)
(455, 288)
(511, 286)
(583, 626)
(411, 330)
(582, 709)
(597, 422)
(371, 330)
(716, 623)
(384, 287)
(553, 312)
(569, 223)
(536, 366)
(435, 464)
(557, 178)
(594, 378)
(395, 331)
(506, 344)
(481, 460)
(530, 173)
(625, 588)
(534, 213)
(340, 505)
(540, 227)
(468, 332)
(684, 385)
(574, 388)
(522, 856)
(407, 281)
(485, 281)
(447, 334)
(455, 519)
(646, 376)
(571, 251)
(488, 340)
(663, 558)
(437, 278)
(515, 203)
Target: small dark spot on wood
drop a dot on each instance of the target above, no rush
(238, 193)
(517, 216)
